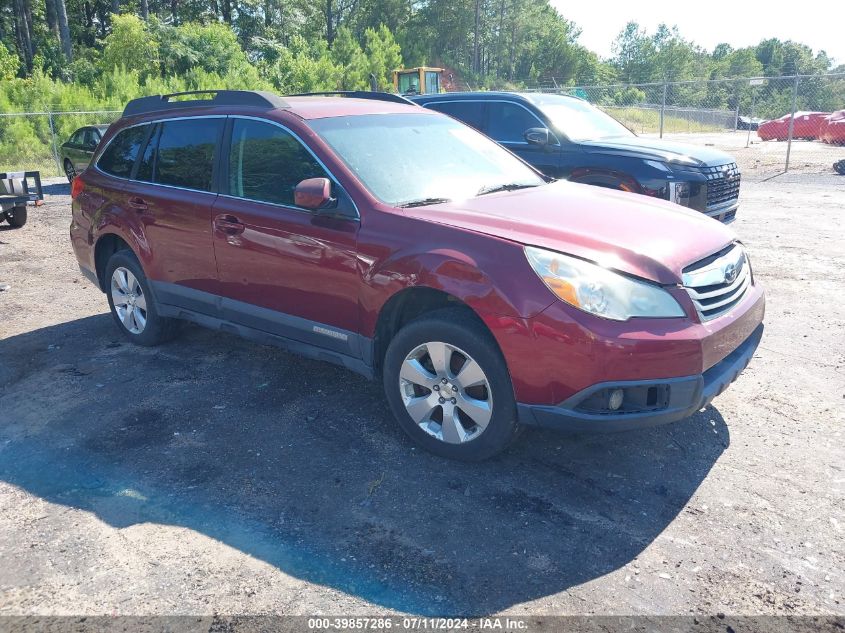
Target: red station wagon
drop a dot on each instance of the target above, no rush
(404, 245)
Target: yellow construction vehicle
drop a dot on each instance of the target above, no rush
(424, 80)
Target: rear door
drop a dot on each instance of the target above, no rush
(283, 269)
(173, 191)
(470, 112)
(507, 123)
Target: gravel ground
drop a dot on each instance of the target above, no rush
(759, 160)
(212, 475)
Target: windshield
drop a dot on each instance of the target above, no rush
(579, 120)
(417, 159)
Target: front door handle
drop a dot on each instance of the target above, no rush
(137, 203)
(228, 224)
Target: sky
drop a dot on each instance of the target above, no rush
(739, 23)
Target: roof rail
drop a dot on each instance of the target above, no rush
(358, 94)
(243, 98)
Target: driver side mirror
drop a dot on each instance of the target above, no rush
(313, 193)
(538, 136)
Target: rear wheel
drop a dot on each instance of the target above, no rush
(448, 386)
(17, 216)
(132, 304)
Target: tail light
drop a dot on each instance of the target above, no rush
(76, 187)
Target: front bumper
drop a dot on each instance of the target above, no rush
(683, 397)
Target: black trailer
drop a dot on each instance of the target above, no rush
(17, 189)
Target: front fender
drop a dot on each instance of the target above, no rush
(493, 280)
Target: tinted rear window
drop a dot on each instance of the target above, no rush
(185, 155)
(121, 153)
(470, 112)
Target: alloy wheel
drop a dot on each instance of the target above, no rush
(129, 301)
(446, 392)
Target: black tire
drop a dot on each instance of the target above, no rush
(157, 329)
(70, 172)
(17, 218)
(461, 329)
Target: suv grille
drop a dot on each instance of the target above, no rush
(719, 282)
(722, 184)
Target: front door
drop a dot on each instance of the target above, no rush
(507, 123)
(283, 269)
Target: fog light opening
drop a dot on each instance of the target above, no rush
(614, 402)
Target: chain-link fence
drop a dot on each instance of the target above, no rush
(751, 119)
(770, 125)
(33, 140)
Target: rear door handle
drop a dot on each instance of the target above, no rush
(137, 203)
(228, 224)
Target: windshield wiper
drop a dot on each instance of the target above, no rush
(512, 186)
(422, 202)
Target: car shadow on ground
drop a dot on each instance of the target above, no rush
(299, 464)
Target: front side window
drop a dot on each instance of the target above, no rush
(579, 120)
(413, 159)
(77, 137)
(266, 163)
(90, 139)
(185, 153)
(120, 155)
(508, 122)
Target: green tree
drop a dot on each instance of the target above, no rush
(130, 46)
(9, 63)
(350, 60)
(212, 47)
(383, 55)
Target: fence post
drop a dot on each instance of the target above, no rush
(791, 123)
(751, 117)
(662, 109)
(53, 141)
(736, 98)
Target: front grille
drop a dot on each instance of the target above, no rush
(722, 184)
(719, 282)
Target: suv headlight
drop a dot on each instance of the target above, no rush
(599, 291)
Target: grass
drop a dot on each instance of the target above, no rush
(646, 121)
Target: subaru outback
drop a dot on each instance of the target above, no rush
(408, 247)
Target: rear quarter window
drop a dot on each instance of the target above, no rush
(120, 155)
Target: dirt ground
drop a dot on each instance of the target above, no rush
(759, 160)
(212, 475)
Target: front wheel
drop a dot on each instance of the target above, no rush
(449, 388)
(70, 171)
(132, 304)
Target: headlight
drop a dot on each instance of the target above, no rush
(679, 193)
(599, 291)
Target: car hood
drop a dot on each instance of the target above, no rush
(632, 233)
(658, 149)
